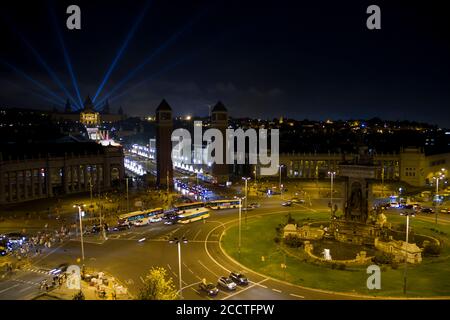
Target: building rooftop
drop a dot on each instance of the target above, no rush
(219, 107)
(163, 106)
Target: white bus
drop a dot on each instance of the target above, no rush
(141, 215)
(193, 215)
(182, 208)
(223, 204)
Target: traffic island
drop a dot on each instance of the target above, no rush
(263, 251)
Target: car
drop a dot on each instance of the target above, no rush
(254, 205)
(238, 278)
(209, 288)
(140, 223)
(287, 203)
(121, 227)
(16, 238)
(153, 220)
(296, 200)
(169, 222)
(226, 283)
(427, 210)
(60, 269)
(407, 206)
(444, 210)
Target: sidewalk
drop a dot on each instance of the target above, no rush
(91, 289)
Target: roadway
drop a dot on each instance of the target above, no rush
(128, 259)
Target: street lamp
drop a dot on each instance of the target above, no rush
(246, 189)
(440, 176)
(332, 174)
(178, 243)
(240, 225)
(281, 189)
(128, 202)
(80, 215)
(407, 214)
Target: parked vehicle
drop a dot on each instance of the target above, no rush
(427, 210)
(226, 283)
(238, 278)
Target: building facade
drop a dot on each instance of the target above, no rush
(410, 165)
(45, 170)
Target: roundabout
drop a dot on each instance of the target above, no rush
(263, 254)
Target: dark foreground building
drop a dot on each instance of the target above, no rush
(42, 170)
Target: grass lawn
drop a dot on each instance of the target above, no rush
(430, 278)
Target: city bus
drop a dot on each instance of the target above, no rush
(141, 215)
(193, 215)
(182, 208)
(223, 204)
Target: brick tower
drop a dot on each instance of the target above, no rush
(164, 125)
(219, 120)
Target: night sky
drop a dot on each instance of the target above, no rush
(265, 59)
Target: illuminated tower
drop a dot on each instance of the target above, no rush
(219, 120)
(164, 125)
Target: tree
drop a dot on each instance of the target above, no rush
(157, 286)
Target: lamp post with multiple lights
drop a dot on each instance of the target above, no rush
(178, 243)
(332, 174)
(405, 273)
(246, 189)
(80, 215)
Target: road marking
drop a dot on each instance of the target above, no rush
(249, 287)
(26, 288)
(276, 290)
(208, 269)
(168, 265)
(196, 235)
(296, 295)
(12, 287)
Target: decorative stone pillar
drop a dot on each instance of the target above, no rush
(2, 185)
(32, 191)
(66, 170)
(48, 181)
(25, 184)
(18, 193)
(78, 178)
(86, 178)
(39, 177)
(10, 188)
